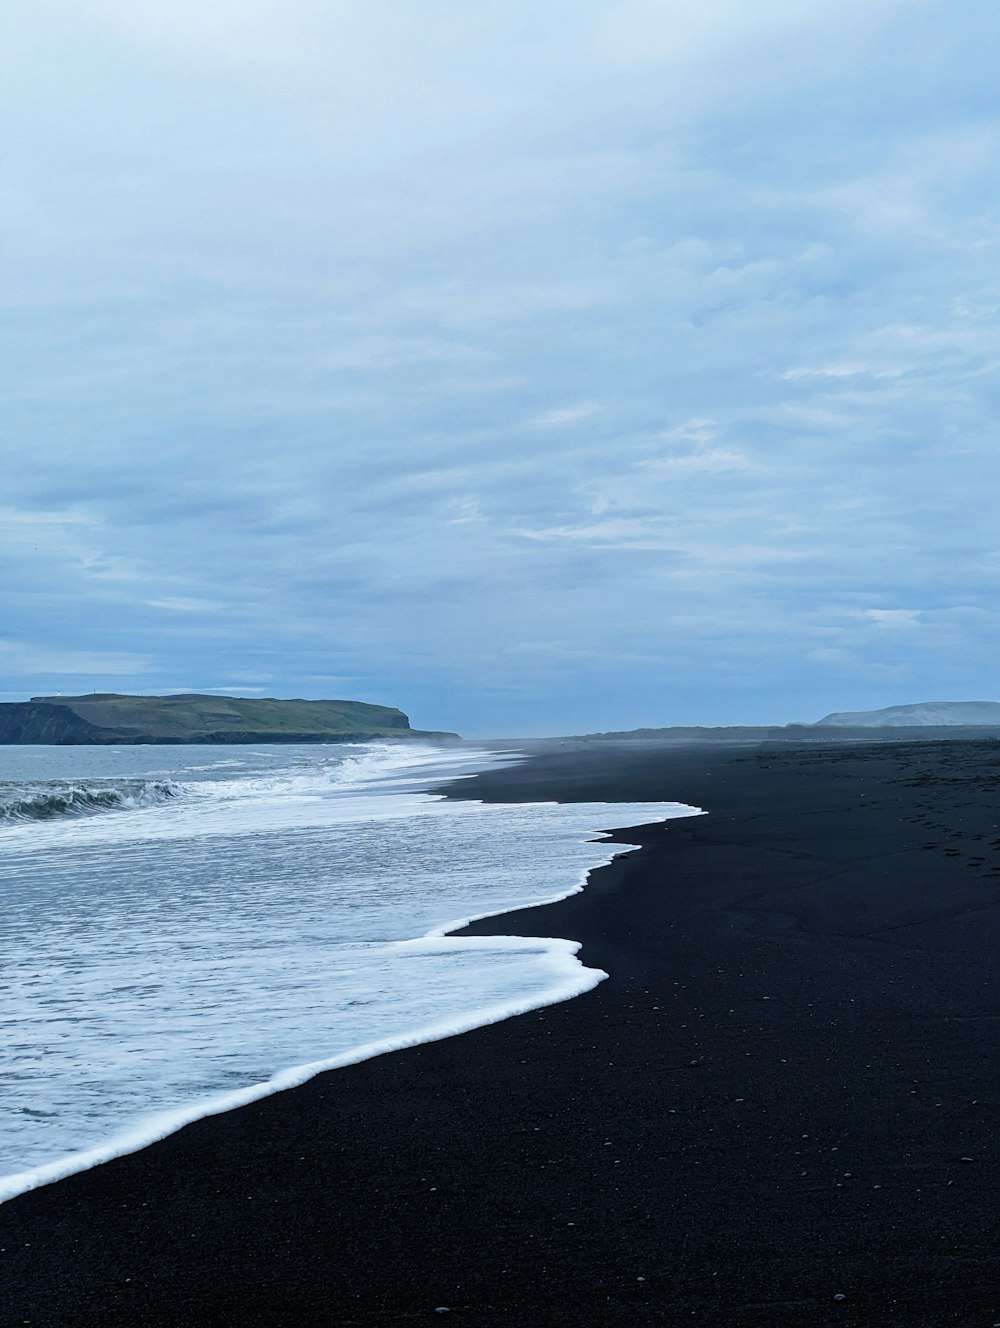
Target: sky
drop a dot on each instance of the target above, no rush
(537, 368)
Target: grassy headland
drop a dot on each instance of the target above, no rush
(109, 717)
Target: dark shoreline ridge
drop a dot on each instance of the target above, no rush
(780, 1109)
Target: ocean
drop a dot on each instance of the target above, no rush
(186, 929)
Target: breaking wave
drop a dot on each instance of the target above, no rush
(52, 800)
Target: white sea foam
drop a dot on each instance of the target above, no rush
(307, 898)
(569, 978)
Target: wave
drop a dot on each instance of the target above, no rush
(567, 977)
(55, 799)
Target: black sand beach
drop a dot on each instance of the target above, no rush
(781, 1108)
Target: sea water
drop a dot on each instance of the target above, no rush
(185, 929)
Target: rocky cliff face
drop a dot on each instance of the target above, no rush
(44, 722)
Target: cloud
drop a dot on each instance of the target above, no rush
(180, 604)
(894, 620)
(564, 415)
(841, 371)
(372, 344)
(227, 689)
(25, 659)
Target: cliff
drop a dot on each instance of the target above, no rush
(939, 714)
(111, 718)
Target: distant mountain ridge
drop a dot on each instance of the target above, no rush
(105, 718)
(938, 714)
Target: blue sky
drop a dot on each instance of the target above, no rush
(536, 368)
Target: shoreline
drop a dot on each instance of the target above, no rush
(565, 979)
(801, 982)
(577, 980)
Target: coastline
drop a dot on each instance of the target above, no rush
(556, 974)
(801, 982)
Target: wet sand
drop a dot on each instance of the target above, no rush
(780, 1109)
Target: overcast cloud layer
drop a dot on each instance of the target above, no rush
(536, 368)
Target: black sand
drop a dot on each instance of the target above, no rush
(781, 1108)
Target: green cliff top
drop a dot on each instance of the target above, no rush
(108, 717)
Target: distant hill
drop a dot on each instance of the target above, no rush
(109, 718)
(751, 735)
(939, 714)
(834, 729)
